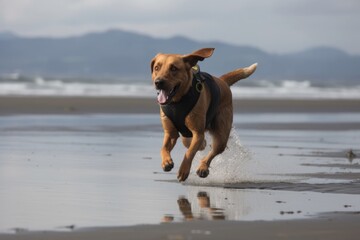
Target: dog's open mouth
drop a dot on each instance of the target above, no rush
(164, 97)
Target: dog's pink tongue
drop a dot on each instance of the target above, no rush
(162, 97)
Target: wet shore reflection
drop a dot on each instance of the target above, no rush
(217, 203)
(204, 211)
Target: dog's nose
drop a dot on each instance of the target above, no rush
(159, 83)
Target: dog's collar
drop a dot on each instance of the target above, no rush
(177, 111)
(198, 78)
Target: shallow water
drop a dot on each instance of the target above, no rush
(58, 172)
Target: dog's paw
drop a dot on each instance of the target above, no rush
(167, 165)
(184, 172)
(203, 171)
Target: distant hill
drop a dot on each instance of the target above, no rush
(122, 54)
(7, 35)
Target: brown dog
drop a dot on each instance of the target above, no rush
(191, 103)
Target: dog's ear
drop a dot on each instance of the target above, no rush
(198, 55)
(153, 62)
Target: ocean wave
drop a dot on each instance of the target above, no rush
(287, 89)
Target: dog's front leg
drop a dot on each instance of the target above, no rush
(169, 142)
(196, 143)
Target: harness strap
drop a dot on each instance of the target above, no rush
(177, 111)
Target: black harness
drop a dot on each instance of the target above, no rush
(177, 111)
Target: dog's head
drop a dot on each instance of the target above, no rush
(172, 75)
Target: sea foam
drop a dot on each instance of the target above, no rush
(260, 89)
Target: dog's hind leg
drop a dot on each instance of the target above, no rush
(218, 146)
(187, 141)
(220, 135)
(196, 142)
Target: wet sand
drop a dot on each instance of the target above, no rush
(79, 105)
(335, 226)
(72, 168)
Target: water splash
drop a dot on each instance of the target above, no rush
(237, 164)
(234, 165)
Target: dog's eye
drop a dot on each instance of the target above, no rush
(156, 68)
(173, 68)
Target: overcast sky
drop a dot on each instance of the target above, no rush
(277, 26)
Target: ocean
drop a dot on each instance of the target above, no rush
(18, 85)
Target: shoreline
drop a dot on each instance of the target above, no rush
(12, 105)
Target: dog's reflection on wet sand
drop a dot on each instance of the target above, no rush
(206, 212)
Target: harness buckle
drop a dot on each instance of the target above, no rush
(199, 80)
(199, 86)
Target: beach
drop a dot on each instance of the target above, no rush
(85, 104)
(89, 168)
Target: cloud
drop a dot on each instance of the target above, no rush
(332, 8)
(275, 25)
(34, 17)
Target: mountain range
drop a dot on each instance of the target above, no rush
(126, 55)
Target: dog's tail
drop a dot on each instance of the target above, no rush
(238, 74)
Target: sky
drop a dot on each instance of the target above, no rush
(276, 26)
